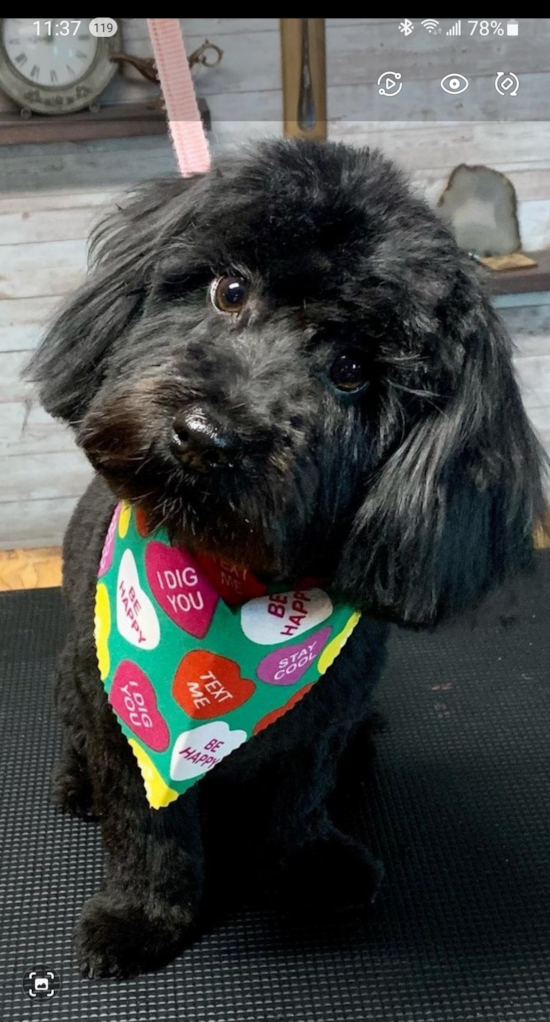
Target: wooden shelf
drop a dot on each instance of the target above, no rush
(532, 278)
(121, 121)
(30, 569)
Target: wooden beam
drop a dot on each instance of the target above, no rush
(304, 77)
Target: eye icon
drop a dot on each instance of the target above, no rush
(454, 84)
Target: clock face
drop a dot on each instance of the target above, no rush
(48, 55)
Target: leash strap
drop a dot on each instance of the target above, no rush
(184, 120)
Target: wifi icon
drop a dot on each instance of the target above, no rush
(431, 26)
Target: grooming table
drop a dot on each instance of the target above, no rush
(457, 805)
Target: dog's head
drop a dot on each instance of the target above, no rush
(289, 362)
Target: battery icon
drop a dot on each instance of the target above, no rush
(512, 28)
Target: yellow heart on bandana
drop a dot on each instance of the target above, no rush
(159, 794)
(102, 628)
(124, 519)
(328, 656)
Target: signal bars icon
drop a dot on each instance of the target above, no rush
(455, 30)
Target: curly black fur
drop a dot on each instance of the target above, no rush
(413, 495)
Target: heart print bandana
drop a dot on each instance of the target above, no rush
(197, 656)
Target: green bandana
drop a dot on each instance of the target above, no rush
(197, 656)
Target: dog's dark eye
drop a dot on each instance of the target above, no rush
(229, 294)
(348, 372)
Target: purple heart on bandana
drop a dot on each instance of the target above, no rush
(286, 665)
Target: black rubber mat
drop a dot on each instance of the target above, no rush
(459, 809)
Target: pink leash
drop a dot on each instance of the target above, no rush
(184, 120)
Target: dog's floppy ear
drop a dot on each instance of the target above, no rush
(452, 510)
(69, 364)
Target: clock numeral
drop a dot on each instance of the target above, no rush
(21, 58)
(35, 71)
(14, 42)
(70, 70)
(81, 56)
(53, 77)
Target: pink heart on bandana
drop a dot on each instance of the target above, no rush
(180, 588)
(133, 697)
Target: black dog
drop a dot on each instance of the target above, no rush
(287, 362)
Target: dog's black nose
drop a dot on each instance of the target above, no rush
(204, 442)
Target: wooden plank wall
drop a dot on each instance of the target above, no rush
(50, 195)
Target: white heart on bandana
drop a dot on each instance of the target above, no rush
(281, 617)
(198, 750)
(136, 618)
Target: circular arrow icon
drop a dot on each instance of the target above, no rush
(507, 83)
(389, 84)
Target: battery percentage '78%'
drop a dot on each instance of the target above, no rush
(486, 28)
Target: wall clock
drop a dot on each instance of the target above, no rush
(55, 66)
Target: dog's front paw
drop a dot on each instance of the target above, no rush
(117, 938)
(331, 875)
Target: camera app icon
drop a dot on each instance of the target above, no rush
(41, 983)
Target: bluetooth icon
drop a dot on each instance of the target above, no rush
(406, 27)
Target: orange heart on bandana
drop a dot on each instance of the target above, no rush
(270, 718)
(207, 685)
